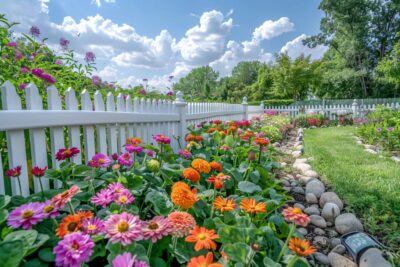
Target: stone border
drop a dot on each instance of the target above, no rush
(328, 219)
(374, 149)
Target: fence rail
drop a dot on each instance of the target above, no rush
(356, 109)
(32, 134)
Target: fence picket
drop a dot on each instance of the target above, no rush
(121, 127)
(112, 129)
(71, 103)
(37, 137)
(88, 131)
(101, 132)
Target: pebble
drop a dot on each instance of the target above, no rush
(298, 190)
(311, 173)
(322, 258)
(283, 164)
(316, 187)
(397, 159)
(331, 233)
(370, 151)
(330, 197)
(330, 211)
(337, 260)
(347, 222)
(296, 154)
(285, 182)
(318, 221)
(305, 179)
(287, 188)
(339, 249)
(321, 241)
(311, 198)
(303, 167)
(319, 231)
(312, 211)
(335, 242)
(302, 231)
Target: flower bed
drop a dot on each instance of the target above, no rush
(215, 203)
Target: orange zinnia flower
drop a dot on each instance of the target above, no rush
(296, 215)
(216, 166)
(261, 141)
(85, 214)
(224, 205)
(202, 261)
(135, 141)
(301, 247)
(182, 196)
(191, 174)
(201, 165)
(191, 137)
(203, 238)
(249, 205)
(71, 223)
(219, 180)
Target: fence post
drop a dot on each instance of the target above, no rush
(262, 107)
(181, 108)
(355, 108)
(245, 108)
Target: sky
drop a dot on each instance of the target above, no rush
(155, 39)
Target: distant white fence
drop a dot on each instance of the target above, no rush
(331, 111)
(104, 125)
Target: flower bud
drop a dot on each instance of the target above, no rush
(153, 165)
(252, 156)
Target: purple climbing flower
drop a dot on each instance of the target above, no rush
(64, 43)
(90, 57)
(34, 31)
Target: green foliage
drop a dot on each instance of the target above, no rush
(278, 102)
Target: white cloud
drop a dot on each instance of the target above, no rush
(230, 13)
(295, 48)
(98, 2)
(205, 42)
(44, 6)
(270, 29)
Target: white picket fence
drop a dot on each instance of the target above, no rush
(105, 125)
(331, 111)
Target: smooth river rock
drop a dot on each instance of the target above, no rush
(347, 222)
(318, 221)
(311, 198)
(312, 211)
(337, 260)
(330, 197)
(330, 211)
(315, 187)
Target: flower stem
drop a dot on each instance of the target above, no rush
(292, 261)
(41, 186)
(71, 208)
(248, 264)
(259, 155)
(286, 242)
(149, 249)
(19, 184)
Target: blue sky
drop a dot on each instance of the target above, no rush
(154, 39)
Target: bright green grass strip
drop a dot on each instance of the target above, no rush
(368, 184)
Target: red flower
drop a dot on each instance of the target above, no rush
(15, 172)
(66, 153)
(38, 172)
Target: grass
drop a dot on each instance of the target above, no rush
(369, 185)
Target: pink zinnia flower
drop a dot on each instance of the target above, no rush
(125, 159)
(38, 172)
(185, 153)
(26, 215)
(14, 172)
(296, 215)
(156, 228)
(93, 226)
(103, 198)
(133, 149)
(150, 153)
(124, 228)
(124, 198)
(162, 139)
(50, 209)
(66, 153)
(101, 160)
(126, 259)
(61, 199)
(74, 249)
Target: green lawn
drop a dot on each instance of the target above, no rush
(368, 184)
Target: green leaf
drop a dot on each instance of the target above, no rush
(160, 200)
(239, 252)
(270, 262)
(231, 234)
(47, 255)
(28, 238)
(229, 141)
(158, 262)
(11, 253)
(35, 263)
(248, 187)
(4, 200)
(40, 240)
(3, 215)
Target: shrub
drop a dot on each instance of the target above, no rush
(278, 102)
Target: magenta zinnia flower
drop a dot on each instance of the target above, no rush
(38, 172)
(150, 153)
(124, 228)
(162, 139)
(125, 159)
(74, 249)
(66, 153)
(93, 226)
(185, 153)
(124, 198)
(156, 228)
(14, 172)
(101, 160)
(133, 149)
(26, 215)
(103, 198)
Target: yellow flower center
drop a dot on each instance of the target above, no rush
(123, 199)
(101, 161)
(153, 226)
(91, 227)
(64, 194)
(48, 208)
(202, 236)
(297, 211)
(27, 214)
(122, 226)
